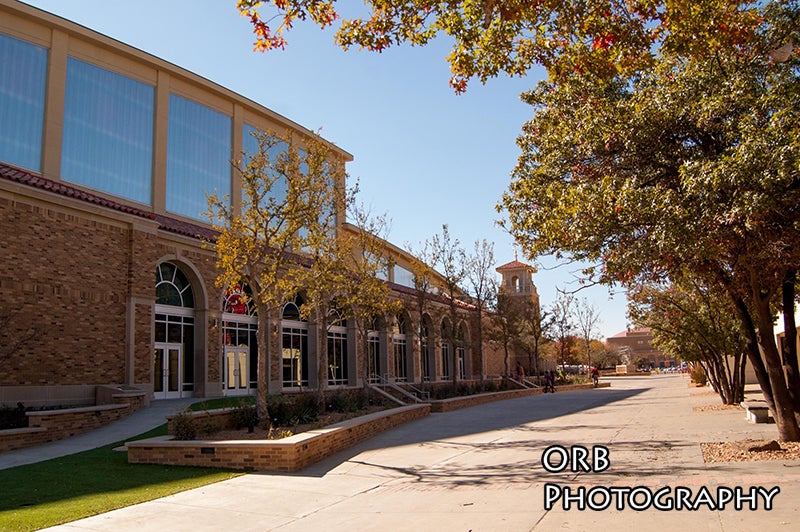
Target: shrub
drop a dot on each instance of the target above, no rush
(699, 376)
(183, 427)
(288, 412)
(13, 418)
(244, 415)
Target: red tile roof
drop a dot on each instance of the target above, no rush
(514, 265)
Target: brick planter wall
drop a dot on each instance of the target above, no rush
(286, 455)
(52, 425)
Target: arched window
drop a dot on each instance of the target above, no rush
(294, 341)
(239, 301)
(173, 287)
(173, 357)
(515, 285)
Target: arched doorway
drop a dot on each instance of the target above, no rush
(173, 354)
(240, 350)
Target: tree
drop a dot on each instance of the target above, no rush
(563, 326)
(587, 319)
(483, 289)
(698, 324)
(285, 188)
(452, 260)
(507, 319)
(492, 38)
(423, 275)
(667, 133)
(689, 164)
(363, 291)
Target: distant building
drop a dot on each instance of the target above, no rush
(638, 344)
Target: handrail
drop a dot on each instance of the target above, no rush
(384, 381)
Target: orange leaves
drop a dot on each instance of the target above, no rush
(322, 12)
(459, 84)
(604, 42)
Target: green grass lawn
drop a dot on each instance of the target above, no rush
(64, 489)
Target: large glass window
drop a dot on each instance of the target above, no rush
(250, 147)
(23, 77)
(198, 157)
(403, 277)
(108, 132)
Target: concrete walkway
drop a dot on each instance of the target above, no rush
(481, 469)
(133, 425)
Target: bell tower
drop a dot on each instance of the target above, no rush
(518, 280)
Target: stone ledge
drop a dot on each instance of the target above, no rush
(757, 412)
(285, 455)
(78, 410)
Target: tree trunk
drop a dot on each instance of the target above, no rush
(262, 337)
(322, 358)
(790, 363)
(783, 412)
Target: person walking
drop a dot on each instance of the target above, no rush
(549, 381)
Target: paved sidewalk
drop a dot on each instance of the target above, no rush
(128, 427)
(481, 469)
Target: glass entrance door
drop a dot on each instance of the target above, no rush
(167, 371)
(236, 369)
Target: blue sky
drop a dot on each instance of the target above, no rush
(422, 155)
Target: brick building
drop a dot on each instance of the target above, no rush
(635, 344)
(106, 156)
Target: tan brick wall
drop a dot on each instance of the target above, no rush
(74, 294)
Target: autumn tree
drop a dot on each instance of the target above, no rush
(688, 164)
(364, 290)
(285, 187)
(492, 37)
(698, 324)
